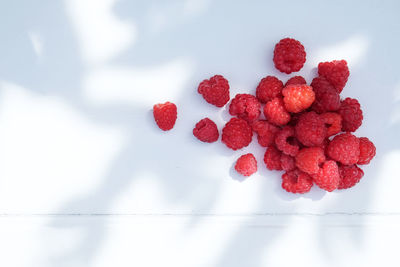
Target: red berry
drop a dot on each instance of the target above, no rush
(272, 158)
(215, 90)
(275, 112)
(246, 164)
(349, 176)
(269, 88)
(283, 142)
(336, 72)
(296, 181)
(296, 80)
(351, 113)
(326, 96)
(287, 162)
(310, 129)
(298, 97)
(236, 133)
(367, 151)
(265, 132)
(309, 158)
(333, 123)
(245, 106)
(328, 176)
(289, 55)
(165, 115)
(344, 148)
(206, 131)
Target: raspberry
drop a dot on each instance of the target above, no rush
(308, 159)
(295, 80)
(265, 132)
(351, 113)
(326, 96)
(327, 177)
(298, 97)
(333, 123)
(272, 158)
(275, 112)
(325, 144)
(215, 90)
(367, 151)
(296, 181)
(236, 133)
(165, 115)
(287, 162)
(344, 148)
(246, 165)
(245, 106)
(269, 88)
(289, 55)
(310, 129)
(283, 142)
(206, 131)
(336, 72)
(349, 176)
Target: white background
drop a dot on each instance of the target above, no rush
(87, 179)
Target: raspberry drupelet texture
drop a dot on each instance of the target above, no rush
(282, 141)
(269, 88)
(344, 148)
(265, 132)
(326, 96)
(351, 113)
(298, 97)
(296, 181)
(287, 162)
(328, 176)
(275, 112)
(309, 158)
(245, 106)
(333, 123)
(295, 80)
(215, 90)
(349, 176)
(236, 134)
(336, 72)
(206, 131)
(272, 158)
(289, 55)
(165, 115)
(310, 129)
(367, 151)
(246, 164)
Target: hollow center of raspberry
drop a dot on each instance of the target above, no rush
(291, 141)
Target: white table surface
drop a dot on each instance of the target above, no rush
(87, 179)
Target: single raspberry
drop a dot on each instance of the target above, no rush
(206, 131)
(295, 80)
(310, 129)
(289, 55)
(165, 115)
(275, 112)
(351, 113)
(287, 162)
(236, 133)
(265, 132)
(326, 96)
(215, 90)
(328, 176)
(285, 141)
(296, 181)
(349, 176)
(272, 158)
(367, 151)
(298, 97)
(269, 88)
(336, 72)
(246, 165)
(333, 123)
(245, 106)
(309, 158)
(344, 148)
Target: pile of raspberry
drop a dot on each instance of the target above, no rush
(307, 129)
